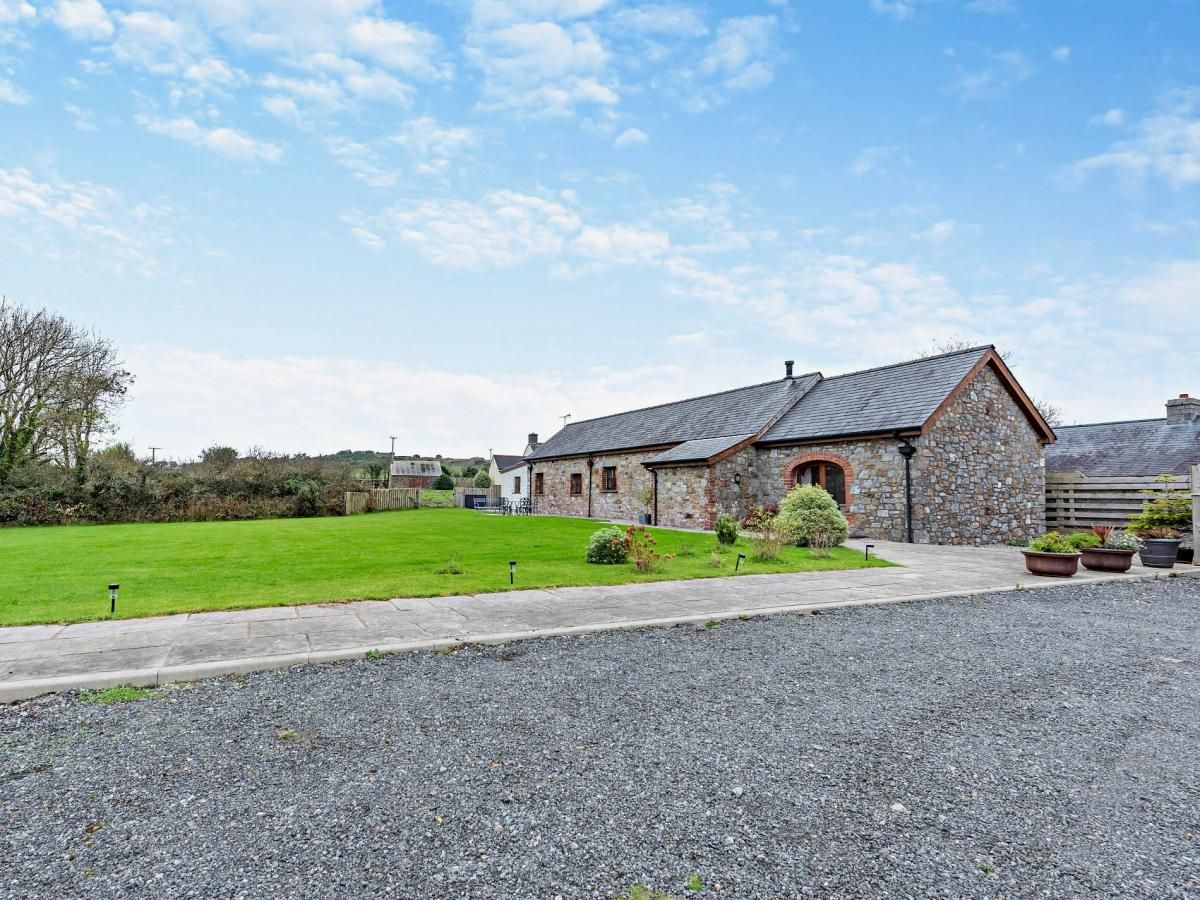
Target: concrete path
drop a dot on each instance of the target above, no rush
(40, 659)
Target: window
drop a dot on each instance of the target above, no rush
(608, 478)
(576, 484)
(827, 474)
(539, 484)
(517, 485)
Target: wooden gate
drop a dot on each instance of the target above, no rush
(1077, 501)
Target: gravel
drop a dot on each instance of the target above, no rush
(1033, 744)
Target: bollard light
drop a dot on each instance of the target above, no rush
(867, 551)
(737, 565)
(512, 570)
(112, 598)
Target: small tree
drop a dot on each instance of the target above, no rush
(482, 480)
(444, 483)
(218, 458)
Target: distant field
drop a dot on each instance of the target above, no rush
(61, 574)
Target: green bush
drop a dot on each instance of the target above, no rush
(821, 529)
(727, 530)
(1167, 510)
(1052, 542)
(443, 483)
(483, 480)
(605, 547)
(1085, 540)
(806, 496)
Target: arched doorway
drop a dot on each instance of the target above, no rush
(828, 475)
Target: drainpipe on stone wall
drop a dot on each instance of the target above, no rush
(591, 462)
(907, 450)
(529, 485)
(654, 472)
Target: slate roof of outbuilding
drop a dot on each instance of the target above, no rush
(739, 411)
(1141, 447)
(506, 463)
(896, 397)
(698, 450)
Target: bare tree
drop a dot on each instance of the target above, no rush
(1048, 411)
(59, 386)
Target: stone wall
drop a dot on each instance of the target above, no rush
(874, 481)
(979, 475)
(734, 484)
(684, 499)
(624, 504)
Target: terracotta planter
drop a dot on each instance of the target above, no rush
(1099, 559)
(1159, 553)
(1060, 565)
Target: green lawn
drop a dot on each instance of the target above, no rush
(61, 574)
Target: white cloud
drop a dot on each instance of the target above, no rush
(938, 232)
(212, 72)
(431, 144)
(897, 9)
(366, 164)
(225, 141)
(871, 160)
(542, 68)
(1061, 54)
(741, 57)
(1172, 287)
(991, 7)
(10, 93)
(396, 45)
(64, 220)
(621, 244)
(629, 138)
(1166, 145)
(1113, 118)
(83, 19)
(491, 13)
(156, 42)
(13, 11)
(992, 77)
(661, 19)
(691, 340)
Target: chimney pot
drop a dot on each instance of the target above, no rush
(1183, 396)
(787, 366)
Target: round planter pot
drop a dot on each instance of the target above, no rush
(1159, 553)
(1060, 565)
(1100, 560)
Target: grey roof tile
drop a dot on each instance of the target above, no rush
(889, 398)
(507, 462)
(741, 411)
(697, 450)
(1143, 447)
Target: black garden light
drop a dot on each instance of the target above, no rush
(737, 565)
(512, 571)
(867, 551)
(112, 598)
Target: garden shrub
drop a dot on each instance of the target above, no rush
(726, 529)
(821, 529)
(1051, 542)
(482, 480)
(606, 547)
(809, 509)
(639, 545)
(766, 537)
(1121, 540)
(1085, 540)
(443, 483)
(1167, 513)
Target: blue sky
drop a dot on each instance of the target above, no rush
(310, 225)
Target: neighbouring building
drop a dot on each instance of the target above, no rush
(414, 473)
(955, 433)
(509, 471)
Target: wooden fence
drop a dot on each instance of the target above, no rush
(382, 498)
(1077, 501)
(463, 482)
(461, 493)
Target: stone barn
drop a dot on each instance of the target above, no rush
(946, 449)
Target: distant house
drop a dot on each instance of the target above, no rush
(414, 473)
(945, 450)
(509, 470)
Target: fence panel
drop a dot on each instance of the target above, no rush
(356, 502)
(1074, 500)
(395, 498)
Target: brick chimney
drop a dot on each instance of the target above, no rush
(1185, 409)
(787, 368)
(532, 442)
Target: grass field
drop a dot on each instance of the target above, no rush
(61, 574)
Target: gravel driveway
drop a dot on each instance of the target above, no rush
(1036, 744)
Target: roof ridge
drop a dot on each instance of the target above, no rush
(1162, 419)
(909, 362)
(744, 387)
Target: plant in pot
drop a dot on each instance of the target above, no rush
(1104, 549)
(1051, 554)
(1164, 516)
(647, 498)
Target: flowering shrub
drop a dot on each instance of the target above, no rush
(1121, 540)
(607, 547)
(639, 546)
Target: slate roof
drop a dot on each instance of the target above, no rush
(891, 398)
(416, 468)
(740, 411)
(1142, 447)
(506, 463)
(698, 450)
(895, 397)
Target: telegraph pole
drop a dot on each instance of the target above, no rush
(154, 454)
(393, 437)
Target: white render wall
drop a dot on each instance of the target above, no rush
(508, 483)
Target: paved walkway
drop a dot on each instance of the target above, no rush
(39, 659)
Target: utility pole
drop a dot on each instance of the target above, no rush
(393, 437)
(154, 454)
